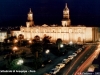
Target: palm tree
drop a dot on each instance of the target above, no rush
(37, 63)
(20, 38)
(58, 42)
(46, 42)
(46, 39)
(36, 39)
(37, 49)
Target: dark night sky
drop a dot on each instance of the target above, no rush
(84, 12)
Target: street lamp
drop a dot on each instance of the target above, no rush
(8, 41)
(15, 41)
(47, 51)
(40, 39)
(15, 49)
(30, 41)
(20, 62)
(16, 63)
(61, 45)
(70, 42)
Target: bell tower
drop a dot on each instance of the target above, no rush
(30, 15)
(30, 21)
(66, 19)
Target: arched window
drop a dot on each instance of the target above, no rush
(75, 31)
(70, 30)
(31, 31)
(79, 39)
(79, 30)
(45, 30)
(37, 30)
(22, 30)
(59, 30)
(53, 30)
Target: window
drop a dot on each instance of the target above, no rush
(45, 30)
(22, 30)
(53, 30)
(36, 30)
(59, 30)
(79, 30)
(70, 30)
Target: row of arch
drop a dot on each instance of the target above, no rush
(21, 36)
(54, 30)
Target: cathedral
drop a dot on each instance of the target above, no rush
(68, 33)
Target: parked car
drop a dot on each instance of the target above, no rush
(47, 61)
(78, 51)
(75, 54)
(70, 57)
(60, 65)
(54, 70)
(84, 46)
(65, 61)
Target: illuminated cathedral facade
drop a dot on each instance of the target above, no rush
(67, 32)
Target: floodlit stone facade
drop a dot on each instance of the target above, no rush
(67, 32)
(3, 35)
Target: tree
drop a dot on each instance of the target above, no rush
(37, 63)
(24, 42)
(58, 42)
(46, 39)
(37, 49)
(12, 38)
(9, 41)
(36, 39)
(20, 38)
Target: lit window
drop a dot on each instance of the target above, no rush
(70, 30)
(36, 30)
(60, 30)
(79, 30)
(53, 30)
(44, 30)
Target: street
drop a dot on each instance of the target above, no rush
(80, 70)
(72, 66)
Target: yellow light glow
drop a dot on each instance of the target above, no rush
(30, 41)
(15, 48)
(15, 41)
